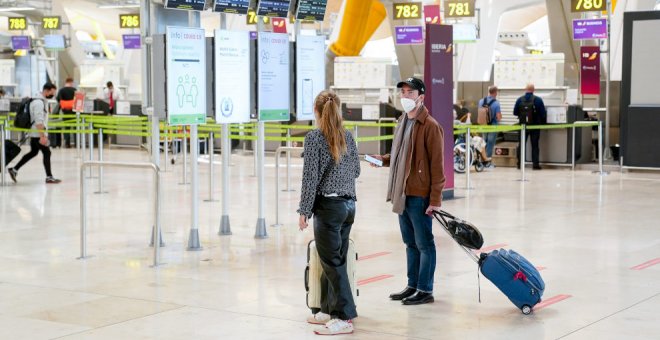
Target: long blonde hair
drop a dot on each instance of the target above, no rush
(330, 123)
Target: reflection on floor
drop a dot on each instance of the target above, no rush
(595, 238)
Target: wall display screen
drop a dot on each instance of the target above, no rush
(311, 10)
(407, 10)
(54, 42)
(132, 41)
(186, 75)
(129, 21)
(274, 8)
(589, 29)
(459, 8)
(588, 5)
(17, 23)
(273, 76)
(20, 42)
(310, 74)
(194, 5)
(232, 76)
(233, 6)
(465, 33)
(51, 23)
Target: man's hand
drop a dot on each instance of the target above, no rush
(302, 222)
(431, 209)
(43, 140)
(378, 157)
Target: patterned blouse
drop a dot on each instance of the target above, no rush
(322, 176)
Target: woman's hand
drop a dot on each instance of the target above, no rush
(302, 222)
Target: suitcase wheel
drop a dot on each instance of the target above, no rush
(526, 309)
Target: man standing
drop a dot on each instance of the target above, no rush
(530, 110)
(39, 139)
(65, 97)
(111, 96)
(415, 188)
(495, 112)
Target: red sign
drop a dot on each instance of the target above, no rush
(79, 102)
(590, 69)
(279, 25)
(432, 14)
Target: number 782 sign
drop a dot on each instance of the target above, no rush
(459, 8)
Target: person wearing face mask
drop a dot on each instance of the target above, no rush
(415, 188)
(39, 136)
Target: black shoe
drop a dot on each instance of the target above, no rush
(537, 167)
(418, 299)
(12, 174)
(403, 294)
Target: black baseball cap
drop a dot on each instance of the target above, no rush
(414, 83)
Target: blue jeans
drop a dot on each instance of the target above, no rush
(490, 139)
(417, 234)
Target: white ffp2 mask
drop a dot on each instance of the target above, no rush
(408, 104)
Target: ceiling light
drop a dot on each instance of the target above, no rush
(16, 9)
(119, 6)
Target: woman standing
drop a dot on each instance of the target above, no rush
(331, 165)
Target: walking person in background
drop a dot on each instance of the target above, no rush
(65, 97)
(331, 165)
(530, 110)
(39, 139)
(495, 111)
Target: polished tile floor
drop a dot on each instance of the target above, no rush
(596, 239)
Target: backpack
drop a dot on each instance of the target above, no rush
(484, 116)
(23, 118)
(527, 110)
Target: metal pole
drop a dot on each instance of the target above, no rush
(523, 152)
(468, 157)
(573, 150)
(255, 157)
(607, 83)
(2, 154)
(157, 235)
(155, 140)
(225, 227)
(100, 138)
(166, 147)
(185, 156)
(277, 187)
(78, 149)
(193, 240)
(83, 214)
(288, 161)
(355, 135)
(260, 231)
(211, 151)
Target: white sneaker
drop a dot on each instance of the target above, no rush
(335, 327)
(319, 318)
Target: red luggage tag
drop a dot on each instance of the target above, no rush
(520, 275)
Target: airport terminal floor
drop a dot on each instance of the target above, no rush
(594, 238)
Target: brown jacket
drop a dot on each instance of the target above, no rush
(425, 176)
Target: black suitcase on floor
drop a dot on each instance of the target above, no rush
(11, 151)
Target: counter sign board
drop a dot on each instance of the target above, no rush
(232, 6)
(589, 29)
(409, 35)
(274, 8)
(194, 5)
(17, 23)
(588, 5)
(311, 10)
(459, 8)
(186, 75)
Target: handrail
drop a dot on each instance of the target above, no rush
(83, 205)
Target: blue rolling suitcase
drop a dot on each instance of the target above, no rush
(514, 275)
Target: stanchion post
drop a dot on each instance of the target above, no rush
(468, 157)
(355, 135)
(225, 227)
(166, 146)
(573, 149)
(600, 150)
(277, 187)
(288, 161)
(2, 154)
(184, 146)
(100, 171)
(210, 148)
(523, 151)
(78, 147)
(260, 231)
(83, 214)
(158, 241)
(193, 240)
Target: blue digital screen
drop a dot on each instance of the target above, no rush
(232, 6)
(194, 5)
(274, 8)
(311, 10)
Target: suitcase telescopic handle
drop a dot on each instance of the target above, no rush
(307, 279)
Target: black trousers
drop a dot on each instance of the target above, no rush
(333, 219)
(35, 147)
(535, 135)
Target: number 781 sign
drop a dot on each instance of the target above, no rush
(459, 8)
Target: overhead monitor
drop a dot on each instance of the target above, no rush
(54, 42)
(233, 6)
(465, 33)
(193, 5)
(131, 41)
(274, 8)
(20, 42)
(311, 10)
